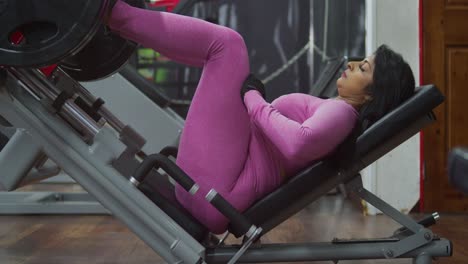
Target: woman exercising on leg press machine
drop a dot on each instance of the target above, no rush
(233, 140)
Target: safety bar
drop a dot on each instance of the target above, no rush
(34, 81)
(237, 220)
(64, 80)
(82, 110)
(228, 210)
(156, 161)
(170, 151)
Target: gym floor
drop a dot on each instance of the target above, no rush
(103, 239)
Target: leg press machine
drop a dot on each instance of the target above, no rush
(105, 158)
(52, 117)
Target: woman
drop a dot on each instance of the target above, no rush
(242, 146)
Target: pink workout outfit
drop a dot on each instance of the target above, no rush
(242, 151)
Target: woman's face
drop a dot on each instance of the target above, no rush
(352, 83)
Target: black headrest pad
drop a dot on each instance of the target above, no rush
(422, 102)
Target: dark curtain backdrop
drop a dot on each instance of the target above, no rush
(345, 33)
(276, 30)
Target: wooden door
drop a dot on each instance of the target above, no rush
(445, 30)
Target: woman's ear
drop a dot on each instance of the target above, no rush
(368, 98)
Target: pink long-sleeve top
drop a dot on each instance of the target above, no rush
(301, 128)
(286, 136)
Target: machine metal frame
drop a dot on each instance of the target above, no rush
(89, 156)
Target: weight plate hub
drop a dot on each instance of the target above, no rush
(105, 54)
(52, 29)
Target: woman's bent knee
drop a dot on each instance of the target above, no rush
(232, 38)
(230, 43)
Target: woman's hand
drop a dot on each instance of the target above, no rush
(252, 83)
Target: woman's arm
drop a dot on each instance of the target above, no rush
(317, 136)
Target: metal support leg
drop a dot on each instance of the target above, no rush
(17, 158)
(310, 252)
(420, 235)
(422, 259)
(89, 164)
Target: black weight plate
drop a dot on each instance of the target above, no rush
(52, 28)
(105, 54)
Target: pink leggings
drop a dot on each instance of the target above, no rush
(215, 141)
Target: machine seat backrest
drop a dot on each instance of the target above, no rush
(322, 176)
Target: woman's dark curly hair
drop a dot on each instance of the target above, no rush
(392, 84)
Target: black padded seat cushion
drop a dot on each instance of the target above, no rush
(425, 99)
(323, 176)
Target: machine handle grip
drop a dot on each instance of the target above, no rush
(157, 161)
(170, 151)
(429, 220)
(237, 219)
